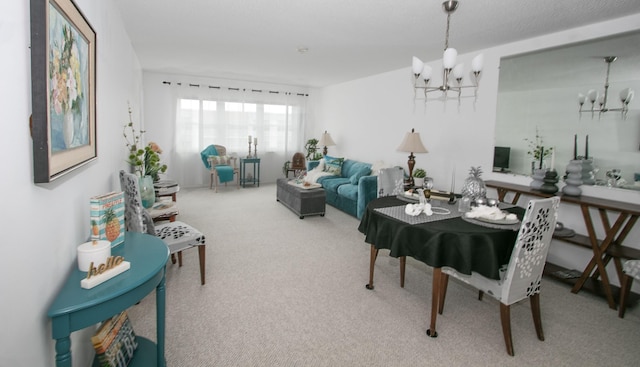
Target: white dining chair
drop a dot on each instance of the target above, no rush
(520, 278)
(630, 270)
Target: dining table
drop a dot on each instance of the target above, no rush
(446, 238)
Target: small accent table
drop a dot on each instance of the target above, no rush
(255, 177)
(76, 308)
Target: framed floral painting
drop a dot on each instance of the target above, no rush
(63, 85)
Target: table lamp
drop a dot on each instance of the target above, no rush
(412, 144)
(326, 141)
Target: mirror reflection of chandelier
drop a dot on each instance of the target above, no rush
(599, 101)
(452, 76)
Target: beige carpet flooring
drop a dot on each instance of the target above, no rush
(288, 292)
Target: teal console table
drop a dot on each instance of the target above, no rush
(76, 308)
(255, 179)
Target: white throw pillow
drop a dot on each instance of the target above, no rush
(377, 166)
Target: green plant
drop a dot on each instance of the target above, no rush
(419, 173)
(536, 147)
(312, 150)
(145, 161)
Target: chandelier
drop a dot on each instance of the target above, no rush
(599, 101)
(452, 76)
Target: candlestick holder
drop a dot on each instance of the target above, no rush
(249, 155)
(255, 150)
(587, 172)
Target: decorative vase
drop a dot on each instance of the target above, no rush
(587, 172)
(147, 191)
(418, 181)
(550, 180)
(538, 178)
(473, 186)
(67, 129)
(574, 178)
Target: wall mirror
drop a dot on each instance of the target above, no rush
(538, 95)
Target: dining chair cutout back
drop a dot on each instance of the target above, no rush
(298, 163)
(177, 235)
(390, 181)
(521, 277)
(630, 271)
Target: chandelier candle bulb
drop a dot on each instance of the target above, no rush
(449, 58)
(417, 66)
(476, 63)
(458, 72)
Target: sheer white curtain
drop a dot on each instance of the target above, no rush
(228, 116)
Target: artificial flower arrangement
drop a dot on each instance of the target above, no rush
(537, 149)
(145, 161)
(64, 71)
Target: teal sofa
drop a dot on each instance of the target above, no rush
(352, 190)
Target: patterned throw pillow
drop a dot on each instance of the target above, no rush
(219, 159)
(333, 165)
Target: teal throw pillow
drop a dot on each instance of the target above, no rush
(333, 165)
(359, 170)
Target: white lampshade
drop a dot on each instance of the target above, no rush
(412, 143)
(426, 73)
(592, 94)
(417, 66)
(449, 58)
(325, 140)
(458, 71)
(477, 63)
(626, 95)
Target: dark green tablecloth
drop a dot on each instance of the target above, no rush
(456, 243)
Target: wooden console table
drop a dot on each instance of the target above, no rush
(76, 308)
(603, 250)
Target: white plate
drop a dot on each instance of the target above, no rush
(498, 221)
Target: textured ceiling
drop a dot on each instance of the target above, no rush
(258, 40)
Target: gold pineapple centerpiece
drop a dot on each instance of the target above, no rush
(474, 186)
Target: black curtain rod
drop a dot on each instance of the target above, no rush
(238, 89)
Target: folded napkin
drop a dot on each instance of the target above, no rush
(416, 209)
(489, 212)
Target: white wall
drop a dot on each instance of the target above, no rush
(368, 118)
(42, 224)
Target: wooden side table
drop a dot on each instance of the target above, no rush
(255, 178)
(76, 308)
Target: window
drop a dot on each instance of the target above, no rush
(276, 123)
